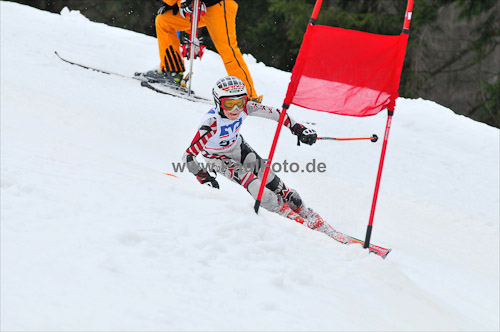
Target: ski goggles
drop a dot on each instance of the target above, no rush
(230, 103)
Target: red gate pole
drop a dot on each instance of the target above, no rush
(292, 88)
(379, 176)
(390, 110)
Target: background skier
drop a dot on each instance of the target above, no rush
(220, 19)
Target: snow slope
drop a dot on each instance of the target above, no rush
(95, 237)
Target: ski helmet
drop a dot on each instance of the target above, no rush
(228, 86)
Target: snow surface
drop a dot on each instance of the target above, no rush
(94, 235)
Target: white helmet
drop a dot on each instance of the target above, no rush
(228, 86)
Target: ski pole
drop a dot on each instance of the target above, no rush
(192, 38)
(374, 138)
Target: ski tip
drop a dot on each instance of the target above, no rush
(387, 253)
(382, 253)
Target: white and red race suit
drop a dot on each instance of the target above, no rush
(225, 151)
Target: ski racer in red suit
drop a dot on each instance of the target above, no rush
(219, 141)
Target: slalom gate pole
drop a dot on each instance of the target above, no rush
(373, 138)
(270, 158)
(194, 35)
(390, 113)
(292, 87)
(377, 183)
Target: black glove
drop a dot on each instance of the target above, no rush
(186, 8)
(304, 135)
(205, 178)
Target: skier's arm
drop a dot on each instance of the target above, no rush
(255, 109)
(207, 130)
(305, 135)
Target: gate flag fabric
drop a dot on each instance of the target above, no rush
(347, 72)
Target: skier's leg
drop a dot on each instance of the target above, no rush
(221, 25)
(251, 175)
(231, 166)
(167, 25)
(234, 170)
(269, 200)
(253, 162)
(290, 196)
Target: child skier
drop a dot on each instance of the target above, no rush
(219, 141)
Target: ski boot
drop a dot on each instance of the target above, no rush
(314, 220)
(170, 78)
(287, 212)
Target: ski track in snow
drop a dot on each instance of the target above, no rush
(95, 237)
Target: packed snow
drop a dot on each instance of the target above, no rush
(96, 237)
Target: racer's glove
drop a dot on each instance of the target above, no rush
(304, 135)
(205, 178)
(199, 48)
(186, 8)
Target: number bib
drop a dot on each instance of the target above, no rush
(228, 132)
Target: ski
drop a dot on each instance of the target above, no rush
(347, 239)
(154, 86)
(315, 222)
(91, 68)
(160, 88)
